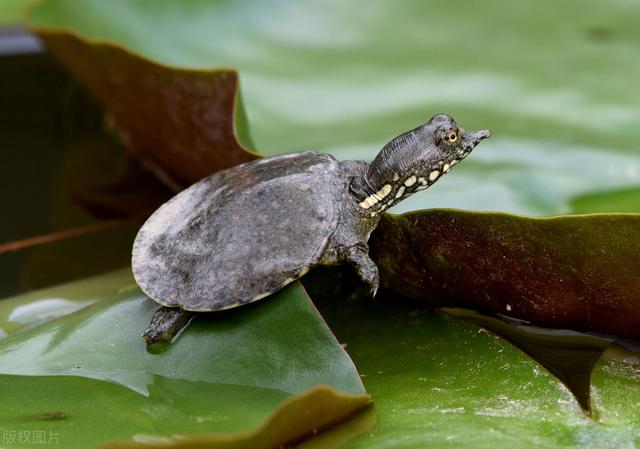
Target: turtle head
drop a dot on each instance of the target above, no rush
(449, 142)
(415, 160)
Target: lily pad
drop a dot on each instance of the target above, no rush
(439, 382)
(10, 11)
(574, 272)
(226, 373)
(40, 306)
(181, 123)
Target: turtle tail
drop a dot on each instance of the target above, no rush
(166, 323)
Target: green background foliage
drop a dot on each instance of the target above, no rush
(554, 82)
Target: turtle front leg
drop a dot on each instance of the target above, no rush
(358, 256)
(165, 324)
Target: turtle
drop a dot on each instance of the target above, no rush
(243, 233)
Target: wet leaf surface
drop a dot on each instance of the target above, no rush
(440, 382)
(226, 373)
(568, 355)
(39, 306)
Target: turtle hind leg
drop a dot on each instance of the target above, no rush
(165, 324)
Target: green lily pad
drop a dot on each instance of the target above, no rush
(40, 306)
(438, 382)
(11, 11)
(619, 200)
(225, 373)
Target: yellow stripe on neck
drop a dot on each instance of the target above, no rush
(374, 198)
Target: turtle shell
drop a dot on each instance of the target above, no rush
(240, 234)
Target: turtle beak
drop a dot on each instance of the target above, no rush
(477, 136)
(473, 138)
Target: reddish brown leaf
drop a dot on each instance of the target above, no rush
(577, 272)
(180, 122)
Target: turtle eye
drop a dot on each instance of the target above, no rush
(451, 135)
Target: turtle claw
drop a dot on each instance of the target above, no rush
(373, 281)
(358, 256)
(374, 290)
